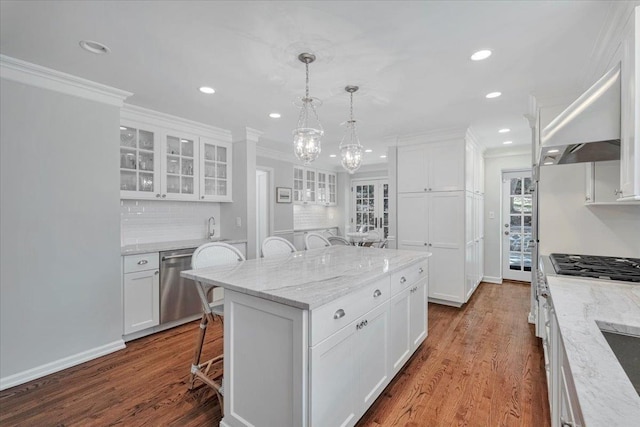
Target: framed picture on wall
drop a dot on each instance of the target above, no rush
(283, 195)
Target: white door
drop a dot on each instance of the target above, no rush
(418, 310)
(413, 221)
(517, 241)
(399, 337)
(372, 341)
(370, 206)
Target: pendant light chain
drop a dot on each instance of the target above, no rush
(351, 110)
(306, 94)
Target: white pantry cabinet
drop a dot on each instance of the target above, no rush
(141, 292)
(167, 158)
(434, 166)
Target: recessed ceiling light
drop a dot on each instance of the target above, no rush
(508, 142)
(275, 115)
(208, 90)
(332, 155)
(184, 140)
(123, 128)
(94, 47)
(548, 163)
(505, 130)
(553, 151)
(368, 150)
(493, 95)
(481, 54)
(384, 156)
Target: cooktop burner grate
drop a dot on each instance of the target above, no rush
(599, 267)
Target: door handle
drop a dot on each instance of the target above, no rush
(164, 258)
(506, 233)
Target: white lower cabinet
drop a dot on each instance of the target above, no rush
(141, 292)
(349, 370)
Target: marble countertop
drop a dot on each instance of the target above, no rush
(583, 307)
(308, 279)
(143, 248)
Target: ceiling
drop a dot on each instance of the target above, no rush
(410, 59)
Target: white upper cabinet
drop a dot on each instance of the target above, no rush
(435, 166)
(314, 186)
(630, 126)
(167, 158)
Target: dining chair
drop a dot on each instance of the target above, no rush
(337, 240)
(373, 238)
(315, 240)
(210, 255)
(274, 246)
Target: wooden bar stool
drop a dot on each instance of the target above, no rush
(210, 255)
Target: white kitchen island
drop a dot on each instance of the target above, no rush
(312, 338)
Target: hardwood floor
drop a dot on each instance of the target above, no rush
(480, 366)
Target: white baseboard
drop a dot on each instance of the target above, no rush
(490, 279)
(60, 364)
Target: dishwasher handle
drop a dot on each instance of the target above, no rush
(164, 258)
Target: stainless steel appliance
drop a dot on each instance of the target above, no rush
(596, 267)
(178, 296)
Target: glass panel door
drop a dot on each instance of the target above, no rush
(214, 164)
(332, 189)
(322, 187)
(137, 164)
(371, 206)
(310, 185)
(298, 184)
(180, 170)
(517, 234)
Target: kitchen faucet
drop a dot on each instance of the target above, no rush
(210, 227)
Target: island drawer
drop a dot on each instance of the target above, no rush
(337, 314)
(407, 276)
(141, 262)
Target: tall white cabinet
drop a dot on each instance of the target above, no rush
(440, 200)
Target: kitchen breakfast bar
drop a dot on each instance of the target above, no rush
(312, 338)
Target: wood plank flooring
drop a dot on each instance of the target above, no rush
(480, 366)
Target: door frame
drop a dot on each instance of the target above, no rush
(524, 276)
(270, 196)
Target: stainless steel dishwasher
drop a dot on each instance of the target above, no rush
(178, 296)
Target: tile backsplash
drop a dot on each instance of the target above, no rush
(315, 216)
(148, 221)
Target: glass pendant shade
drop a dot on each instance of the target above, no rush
(307, 136)
(350, 149)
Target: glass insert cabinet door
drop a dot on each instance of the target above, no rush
(215, 166)
(370, 206)
(138, 166)
(180, 166)
(517, 233)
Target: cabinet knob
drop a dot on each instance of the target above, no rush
(420, 270)
(164, 195)
(430, 244)
(426, 244)
(202, 197)
(403, 279)
(377, 293)
(339, 314)
(157, 195)
(425, 189)
(429, 188)
(157, 272)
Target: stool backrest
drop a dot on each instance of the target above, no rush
(215, 253)
(274, 246)
(315, 240)
(337, 240)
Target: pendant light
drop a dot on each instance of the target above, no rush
(307, 136)
(350, 148)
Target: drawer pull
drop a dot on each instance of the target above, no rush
(338, 314)
(402, 279)
(143, 262)
(157, 272)
(377, 293)
(420, 270)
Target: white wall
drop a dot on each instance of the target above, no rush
(567, 225)
(147, 221)
(494, 164)
(60, 290)
(282, 177)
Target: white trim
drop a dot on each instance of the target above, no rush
(253, 134)
(457, 133)
(163, 120)
(491, 279)
(36, 75)
(60, 364)
(518, 150)
(271, 153)
(281, 232)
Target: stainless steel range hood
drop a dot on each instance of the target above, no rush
(589, 129)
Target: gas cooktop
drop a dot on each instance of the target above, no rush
(598, 267)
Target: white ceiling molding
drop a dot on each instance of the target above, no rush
(36, 75)
(516, 150)
(253, 134)
(156, 118)
(470, 135)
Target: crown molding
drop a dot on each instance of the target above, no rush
(156, 118)
(36, 75)
(517, 150)
(253, 134)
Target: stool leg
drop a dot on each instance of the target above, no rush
(199, 343)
